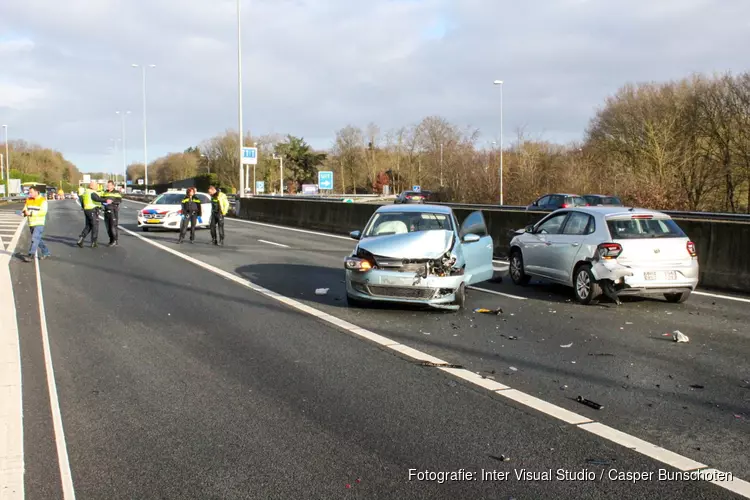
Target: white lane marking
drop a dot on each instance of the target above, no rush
(727, 297)
(272, 243)
(493, 292)
(289, 228)
(62, 450)
(735, 485)
(11, 395)
(5, 255)
(656, 452)
(608, 433)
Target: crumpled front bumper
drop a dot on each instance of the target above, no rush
(392, 286)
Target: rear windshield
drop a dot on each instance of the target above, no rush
(603, 200)
(630, 229)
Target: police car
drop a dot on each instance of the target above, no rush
(165, 212)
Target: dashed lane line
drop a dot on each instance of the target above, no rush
(631, 442)
(272, 243)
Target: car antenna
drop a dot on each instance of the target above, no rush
(631, 209)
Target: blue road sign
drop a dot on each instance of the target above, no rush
(325, 180)
(249, 156)
(130, 183)
(260, 186)
(416, 189)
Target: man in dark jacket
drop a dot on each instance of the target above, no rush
(219, 209)
(111, 211)
(92, 204)
(191, 211)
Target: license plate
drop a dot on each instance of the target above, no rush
(153, 221)
(670, 275)
(649, 276)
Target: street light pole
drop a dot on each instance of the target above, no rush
(441, 164)
(239, 96)
(500, 82)
(145, 141)
(281, 172)
(7, 152)
(124, 150)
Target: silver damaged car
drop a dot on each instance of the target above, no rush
(418, 254)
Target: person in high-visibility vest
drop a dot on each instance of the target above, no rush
(112, 212)
(92, 204)
(219, 209)
(36, 210)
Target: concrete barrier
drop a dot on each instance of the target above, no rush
(722, 246)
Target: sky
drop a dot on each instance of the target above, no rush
(312, 67)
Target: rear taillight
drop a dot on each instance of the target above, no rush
(609, 250)
(691, 249)
(564, 205)
(588, 205)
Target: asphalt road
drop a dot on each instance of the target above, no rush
(174, 382)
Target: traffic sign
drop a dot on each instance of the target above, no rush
(325, 180)
(260, 186)
(416, 189)
(249, 156)
(130, 183)
(140, 182)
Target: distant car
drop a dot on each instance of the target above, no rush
(557, 201)
(597, 200)
(165, 211)
(418, 254)
(636, 251)
(412, 197)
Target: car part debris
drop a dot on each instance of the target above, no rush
(567, 345)
(697, 386)
(513, 369)
(678, 336)
(501, 458)
(481, 310)
(321, 291)
(438, 365)
(607, 354)
(588, 403)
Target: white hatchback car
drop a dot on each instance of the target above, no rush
(165, 211)
(626, 251)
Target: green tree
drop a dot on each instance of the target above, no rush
(301, 160)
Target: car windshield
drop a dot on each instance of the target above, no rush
(631, 229)
(169, 199)
(407, 222)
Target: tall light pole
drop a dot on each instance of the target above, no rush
(500, 82)
(124, 148)
(239, 95)
(281, 171)
(441, 164)
(7, 152)
(145, 142)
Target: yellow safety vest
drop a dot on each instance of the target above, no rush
(37, 208)
(223, 202)
(88, 203)
(81, 191)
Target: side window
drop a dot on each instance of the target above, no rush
(543, 201)
(578, 223)
(474, 224)
(557, 201)
(552, 225)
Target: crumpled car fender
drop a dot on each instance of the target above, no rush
(609, 270)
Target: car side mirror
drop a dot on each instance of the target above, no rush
(529, 229)
(355, 235)
(470, 238)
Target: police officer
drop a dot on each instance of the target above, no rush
(112, 212)
(92, 204)
(219, 208)
(191, 211)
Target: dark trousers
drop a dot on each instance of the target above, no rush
(217, 220)
(92, 225)
(193, 220)
(111, 219)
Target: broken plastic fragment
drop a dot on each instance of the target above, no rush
(567, 345)
(588, 403)
(678, 336)
(513, 369)
(321, 291)
(496, 312)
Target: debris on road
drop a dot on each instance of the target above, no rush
(438, 365)
(321, 291)
(513, 368)
(496, 312)
(501, 458)
(678, 336)
(696, 386)
(512, 337)
(603, 354)
(567, 345)
(628, 322)
(588, 403)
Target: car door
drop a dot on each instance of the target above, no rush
(477, 254)
(565, 245)
(537, 252)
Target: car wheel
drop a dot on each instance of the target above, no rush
(144, 229)
(460, 299)
(677, 298)
(516, 271)
(587, 290)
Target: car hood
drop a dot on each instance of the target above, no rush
(417, 245)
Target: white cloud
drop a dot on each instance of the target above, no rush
(311, 66)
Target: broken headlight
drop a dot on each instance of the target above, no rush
(357, 264)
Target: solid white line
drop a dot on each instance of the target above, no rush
(289, 228)
(735, 485)
(608, 433)
(717, 296)
(11, 395)
(272, 243)
(62, 450)
(493, 292)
